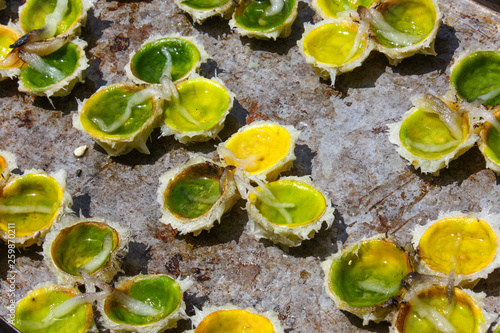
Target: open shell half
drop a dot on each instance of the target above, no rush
(30, 204)
(262, 148)
(10, 64)
(489, 142)
(260, 19)
(467, 244)
(7, 164)
(365, 278)
(195, 195)
(144, 304)
(288, 211)
(120, 117)
(329, 9)
(200, 10)
(90, 244)
(180, 56)
(432, 133)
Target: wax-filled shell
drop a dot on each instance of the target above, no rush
(335, 46)
(7, 164)
(32, 15)
(468, 245)
(432, 133)
(258, 18)
(33, 312)
(120, 117)
(54, 74)
(145, 304)
(30, 204)
(262, 148)
(9, 62)
(195, 195)
(430, 308)
(329, 9)
(181, 55)
(200, 10)
(288, 211)
(365, 278)
(199, 112)
(489, 144)
(404, 28)
(476, 76)
(90, 244)
(231, 319)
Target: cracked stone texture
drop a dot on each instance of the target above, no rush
(343, 145)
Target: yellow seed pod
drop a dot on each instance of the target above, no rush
(467, 244)
(10, 64)
(231, 319)
(262, 148)
(7, 164)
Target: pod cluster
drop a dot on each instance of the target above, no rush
(351, 30)
(42, 49)
(286, 211)
(166, 92)
(267, 19)
(425, 287)
(438, 130)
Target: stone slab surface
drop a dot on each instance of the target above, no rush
(343, 145)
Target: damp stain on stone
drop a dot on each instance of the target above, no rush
(120, 43)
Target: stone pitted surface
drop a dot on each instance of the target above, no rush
(343, 145)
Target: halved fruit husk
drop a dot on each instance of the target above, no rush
(7, 164)
(34, 312)
(335, 46)
(191, 197)
(33, 13)
(288, 226)
(331, 9)
(433, 307)
(54, 74)
(120, 117)
(464, 245)
(144, 304)
(429, 135)
(30, 204)
(200, 111)
(403, 28)
(250, 19)
(200, 10)
(475, 75)
(264, 149)
(231, 319)
(147, 64)
(81, 244)
(489, 142)
(10, 64)
(366, 277)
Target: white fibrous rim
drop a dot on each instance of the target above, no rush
(136, 140)
(261, 227)
(199, 315)
(64, 208)
(10, 161)
(282, 31)
(207, 220)
(63, 87)
(165, 323)
(412, 294)
(203, 135)
(328, 71)
(282, 165)
(49, 285)
(107, 271)
(429, 165)
(425, 46)
(200, 15)
(75, 28)
(204, 56)
(492, 219)
(373, 313)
